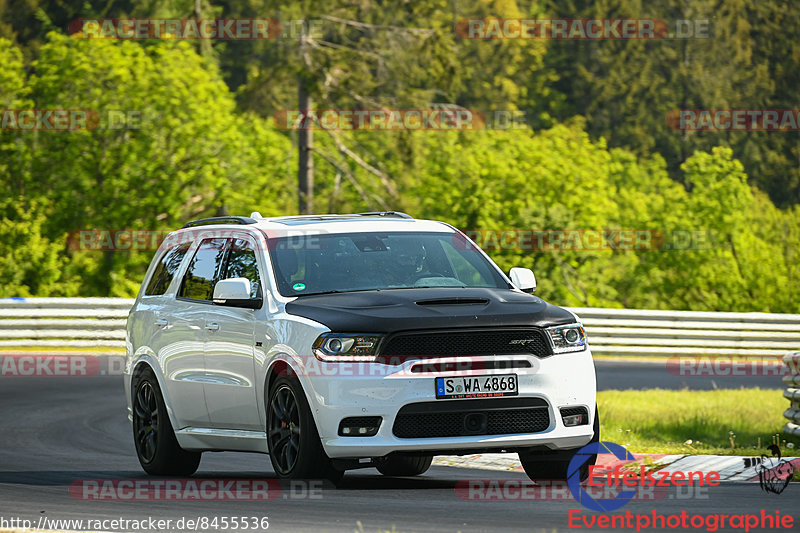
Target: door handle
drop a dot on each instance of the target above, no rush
(212, 326)
(161, 323)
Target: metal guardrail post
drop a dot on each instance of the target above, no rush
(792, 393)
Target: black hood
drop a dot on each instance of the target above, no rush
(390, 311)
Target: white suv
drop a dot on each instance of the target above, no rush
(346, 341)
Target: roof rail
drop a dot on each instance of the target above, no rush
(220, 220)
(390, 214)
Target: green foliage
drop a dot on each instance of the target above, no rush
(12, 76)
(184, 131)
(166, 144)
(625, 88)
(31, 264)
(720, 246)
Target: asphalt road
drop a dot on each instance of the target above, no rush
(613, 374)
(58, 432)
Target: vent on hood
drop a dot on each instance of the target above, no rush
(454, 301)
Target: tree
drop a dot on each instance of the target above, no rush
(626, 88)
(166, 144)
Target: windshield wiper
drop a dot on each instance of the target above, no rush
(336, 292)
(321, 292)
(384, 289)
(429, 287)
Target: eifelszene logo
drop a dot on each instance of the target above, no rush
(624, 476)
(574, 476)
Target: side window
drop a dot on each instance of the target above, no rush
(242, 264)
(201, 276)
(165, 270)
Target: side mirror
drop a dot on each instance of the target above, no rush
(523, 279)
(235, 292)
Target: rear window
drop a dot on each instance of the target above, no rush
(166, 269)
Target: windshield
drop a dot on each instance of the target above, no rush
(314, 264)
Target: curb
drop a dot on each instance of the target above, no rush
(730, 467)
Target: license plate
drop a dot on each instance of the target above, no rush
(493, 386)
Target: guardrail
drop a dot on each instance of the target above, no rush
(792, 393)
(63, 322)
(100, 322)
(689, 333)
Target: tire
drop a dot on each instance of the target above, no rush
(544, 466)
(156, 446)
(295, 449)
(404, 465)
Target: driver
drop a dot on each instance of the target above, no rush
(408, 258)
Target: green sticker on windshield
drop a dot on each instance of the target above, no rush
(299, 286)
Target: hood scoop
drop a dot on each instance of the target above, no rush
(453, 301)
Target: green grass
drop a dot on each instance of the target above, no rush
(664, 421)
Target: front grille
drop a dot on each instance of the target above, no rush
(459, 418)
(467, 343)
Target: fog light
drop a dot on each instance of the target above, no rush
(334, 346)
(360, 426)
(574, 416)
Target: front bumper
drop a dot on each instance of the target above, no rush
(340, 390)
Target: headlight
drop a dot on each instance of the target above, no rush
(569, 338)
(339, 347)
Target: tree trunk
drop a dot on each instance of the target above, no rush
(305, 145)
